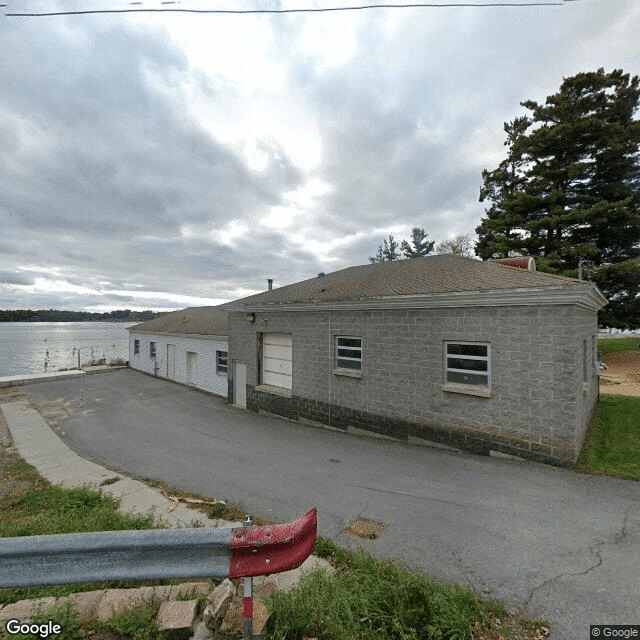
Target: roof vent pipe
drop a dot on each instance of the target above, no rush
(270, 283)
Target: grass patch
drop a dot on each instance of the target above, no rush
(55, 509)
(611, 345)
(375, 600)
(612, 444)
(192, 595)
(64, 615)
(139, 624)
(50, 509)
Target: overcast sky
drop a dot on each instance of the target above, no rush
(166, 160)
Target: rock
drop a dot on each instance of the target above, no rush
(260, 616)
(197, 588)
(163, 592)
(176, 617)
(286, 580)
(233, 621)
(202, 632)
(21, 610)
(117, 600)
(86, 603)
(219, 602)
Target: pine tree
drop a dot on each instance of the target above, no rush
(387, 252)
(569, 188)
(421, 245)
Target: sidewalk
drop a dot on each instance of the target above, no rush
(42, 449)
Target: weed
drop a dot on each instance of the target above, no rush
(329, 550)
(192, 595)
(375, 599)
(139, 623)
(217, 510)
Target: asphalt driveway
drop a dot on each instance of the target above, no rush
(558, 544)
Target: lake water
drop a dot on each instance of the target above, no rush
(25, 347)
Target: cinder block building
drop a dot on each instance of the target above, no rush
(475, 355)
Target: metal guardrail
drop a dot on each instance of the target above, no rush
(71, 558)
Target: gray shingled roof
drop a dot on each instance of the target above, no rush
(438, 274)
(196, 320)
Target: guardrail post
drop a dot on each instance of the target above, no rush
(247, 601)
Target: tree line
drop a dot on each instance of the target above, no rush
(54, 315)
(567, 193)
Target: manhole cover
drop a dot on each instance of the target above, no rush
(369, 529)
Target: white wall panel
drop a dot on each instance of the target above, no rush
(205, 375)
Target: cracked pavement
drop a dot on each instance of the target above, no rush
(556, 544)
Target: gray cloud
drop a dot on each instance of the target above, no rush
(107, 178)
(10, 277)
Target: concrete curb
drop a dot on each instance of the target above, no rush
(34, 378)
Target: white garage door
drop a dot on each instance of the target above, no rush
(276, 359)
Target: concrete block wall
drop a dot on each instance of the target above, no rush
(587, 394)
(536, 410)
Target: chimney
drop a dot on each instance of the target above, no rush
(270, 283)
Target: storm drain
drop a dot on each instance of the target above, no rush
(364, 528)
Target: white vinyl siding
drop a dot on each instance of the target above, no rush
(467, 364)
(348, 353)
(276, 360)
(204, 374)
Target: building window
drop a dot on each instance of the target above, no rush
(221, 362)
(467, 364)
(136, 347)
(349, 353)
(152, 349)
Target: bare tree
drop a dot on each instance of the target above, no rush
(460, 245)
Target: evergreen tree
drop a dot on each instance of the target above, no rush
(421, 245)
(387, 251)
(569, 188)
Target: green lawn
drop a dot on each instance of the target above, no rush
(609, 345)
(612, 445)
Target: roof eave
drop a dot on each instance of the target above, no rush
(586, 295)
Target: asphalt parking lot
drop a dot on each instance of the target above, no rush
(558, 544)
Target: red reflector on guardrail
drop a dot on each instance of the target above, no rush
(260, 551)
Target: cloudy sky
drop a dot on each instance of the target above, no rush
(158, 160)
